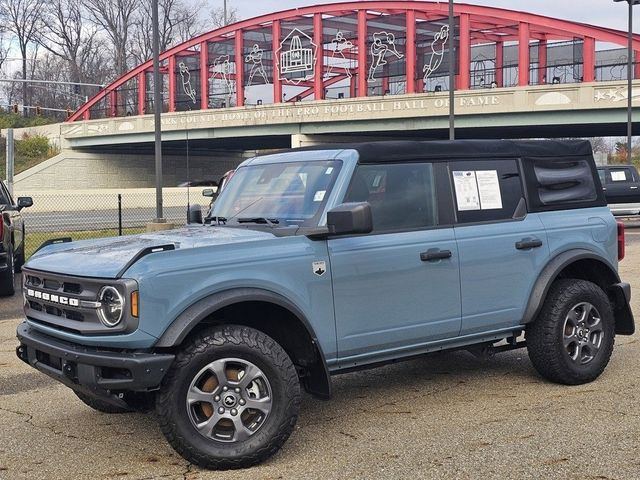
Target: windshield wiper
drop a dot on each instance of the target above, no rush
(267, 221)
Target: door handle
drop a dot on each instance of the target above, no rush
(527, 244)
(435, 254)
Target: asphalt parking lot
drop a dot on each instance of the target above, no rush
(444, 416)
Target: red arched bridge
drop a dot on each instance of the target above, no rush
(365, 49)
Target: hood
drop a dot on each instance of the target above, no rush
(107, 257)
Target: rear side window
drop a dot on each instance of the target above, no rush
(620, 175)
(402, 196)
(560, 182)
(485, 191)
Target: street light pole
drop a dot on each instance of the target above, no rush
(630, 78)
(157, 111)
(452, 73)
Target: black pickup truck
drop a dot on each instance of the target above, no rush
(11, 238)
(621, 184)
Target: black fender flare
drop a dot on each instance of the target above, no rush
(319, 381)
(617, 290)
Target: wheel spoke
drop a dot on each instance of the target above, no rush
(206, 427)
(241, 432)
(261, 404)
(586, 311)
(218, 368)
(251, 372)
(568, 340)
(196, 395)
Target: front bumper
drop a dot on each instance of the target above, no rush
(88, 369)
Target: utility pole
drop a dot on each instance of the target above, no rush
(157, 112)
(452, 72)
(224, 19)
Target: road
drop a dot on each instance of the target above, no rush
(444, 416)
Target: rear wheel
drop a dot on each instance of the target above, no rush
(8, 276)
(230, 400)
(572, 339)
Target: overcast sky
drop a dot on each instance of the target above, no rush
(605, 13)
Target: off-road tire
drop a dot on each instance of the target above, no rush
(137, 402)
(544, 336)
(7, 278)
(223, 342)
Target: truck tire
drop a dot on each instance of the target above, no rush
(19, 262)
(8, 277)
(572, 338)
(230, 399)
(137, 402)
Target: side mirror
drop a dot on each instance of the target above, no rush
(350, 218)
(24, 202)
(194, 214)
(209, 192)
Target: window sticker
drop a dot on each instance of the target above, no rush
(466, 188)
(319, 196)
(618, 175)
(328, 171)
(489, 189)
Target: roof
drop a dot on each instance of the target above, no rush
(390, 151)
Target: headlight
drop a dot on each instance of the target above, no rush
(111, 306)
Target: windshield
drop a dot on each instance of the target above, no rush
(282, 194)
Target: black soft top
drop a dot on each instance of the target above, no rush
(390, 151)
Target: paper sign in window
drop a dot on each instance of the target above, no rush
(466, 188)
(489, 189)
(618, 176)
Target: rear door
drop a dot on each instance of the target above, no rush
(501, 247)
(12, 215)
(398, 287)
(622, 185)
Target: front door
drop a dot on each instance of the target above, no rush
(398, 287)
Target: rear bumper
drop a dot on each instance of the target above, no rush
(104, 373)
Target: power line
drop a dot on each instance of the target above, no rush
(50, 82)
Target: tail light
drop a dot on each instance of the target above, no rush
(620, 240)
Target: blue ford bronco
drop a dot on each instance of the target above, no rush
(325, 260)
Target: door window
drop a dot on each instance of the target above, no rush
(402, 196)
(485, 191)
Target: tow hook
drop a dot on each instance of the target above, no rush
(21, 353)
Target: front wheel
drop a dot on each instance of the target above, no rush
(572, 339)
(230, 400)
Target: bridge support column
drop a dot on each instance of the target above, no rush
(542, 62)
(239, 61)
(318, 84)
(589, 59)
(204, 75)
(464, 66)
(411, 51)
(113, 103)
(499, 64)
(275, 45)
(523, 54)
(362, 53)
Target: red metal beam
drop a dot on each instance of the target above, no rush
(172, 84)
(113, 103)
(362, 53)
(318, 90)
(464, 67)
(589, 55)
(523, 55)
(204, 75)
(142, 93)
(275, 45)
(499, 64)
(411, 57)
(239, 61)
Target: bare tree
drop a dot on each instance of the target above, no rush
(116, 18)
(217, 16)
(23, 19)
(178, 23)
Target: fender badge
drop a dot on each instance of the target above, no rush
(319, 268)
